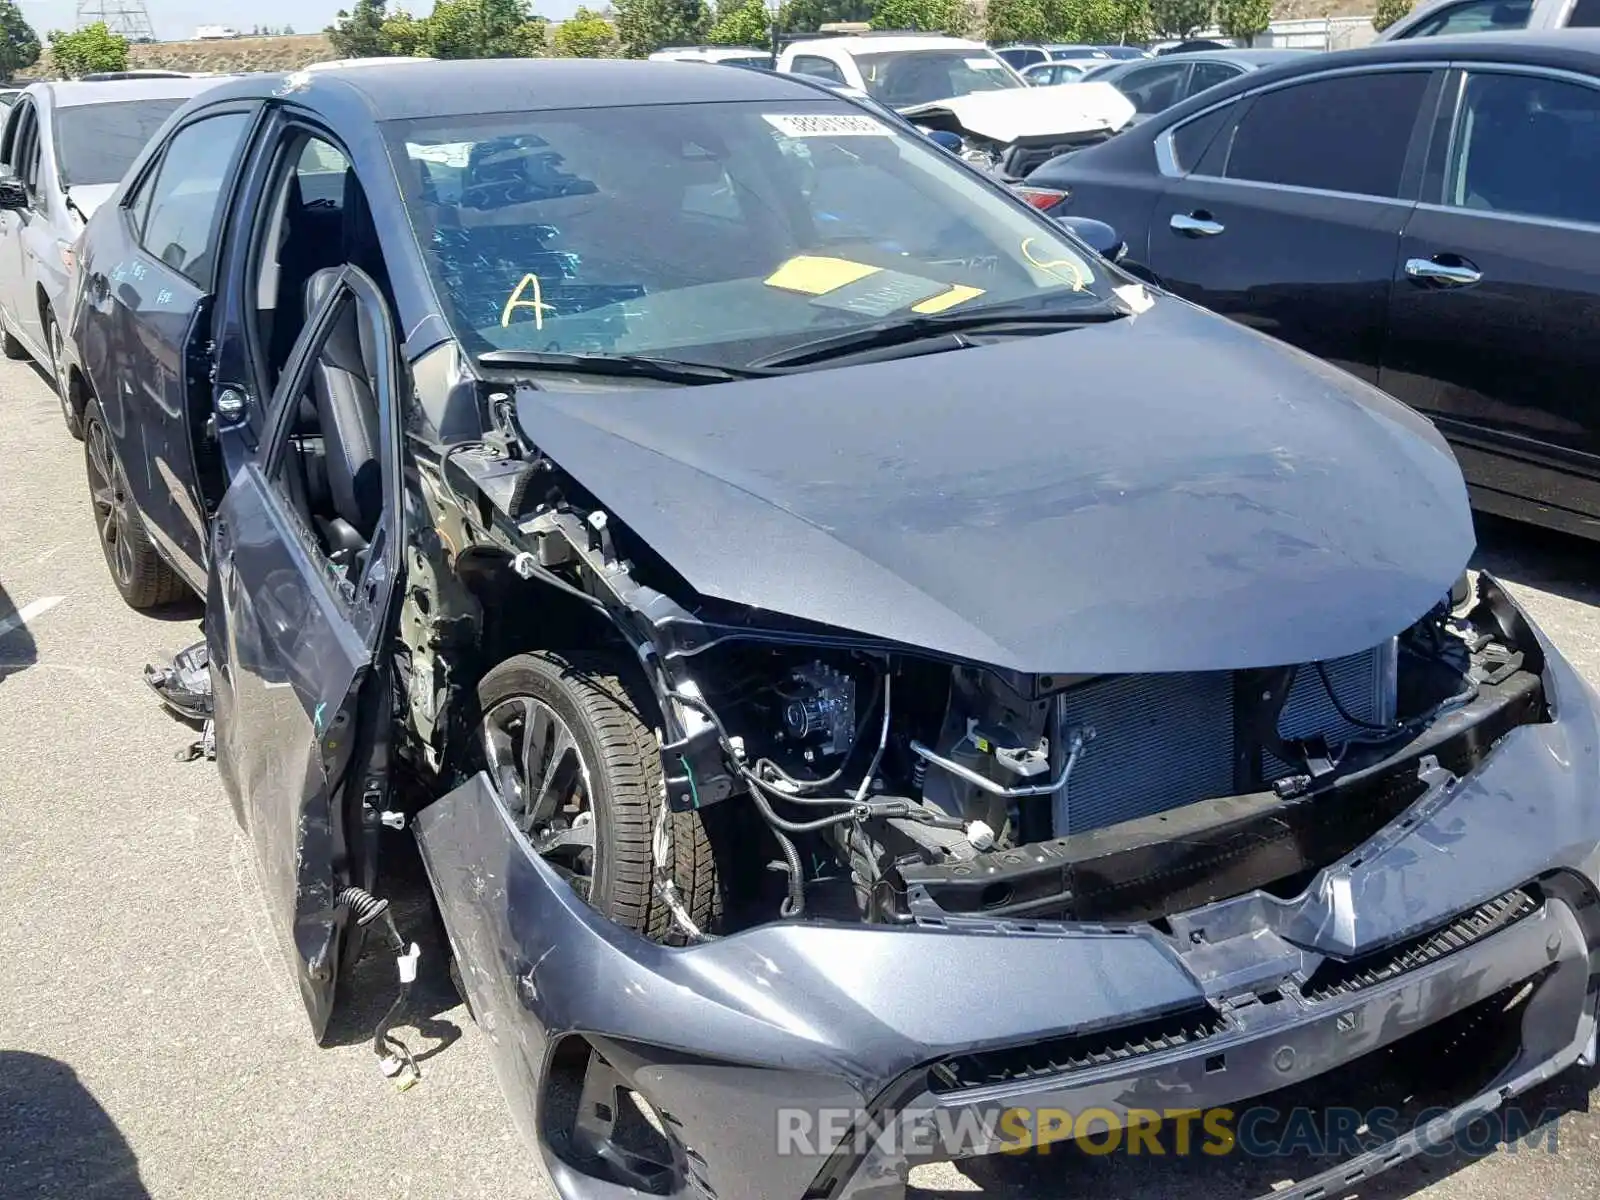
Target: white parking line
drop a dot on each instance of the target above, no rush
(28, 612)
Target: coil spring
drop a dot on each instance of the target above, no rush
(363, 905)
(919, 772)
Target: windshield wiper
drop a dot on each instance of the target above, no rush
(995, 318)
(638, 366)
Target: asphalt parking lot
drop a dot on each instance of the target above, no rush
(151, 1043)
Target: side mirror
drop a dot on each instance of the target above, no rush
(13, 194)
(1099, 236)
(945, 139)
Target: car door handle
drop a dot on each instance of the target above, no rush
(1196, 224)
(1442, 270)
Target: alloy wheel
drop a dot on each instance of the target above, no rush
(112, 507)
(544, 785)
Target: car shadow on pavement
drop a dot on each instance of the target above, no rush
(58, 1142)
(17, 650)
(1559, 563)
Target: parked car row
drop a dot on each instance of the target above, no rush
(774, 576)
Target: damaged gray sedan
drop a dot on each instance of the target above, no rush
(841, 646)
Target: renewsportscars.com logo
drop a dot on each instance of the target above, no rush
(1259, 1132)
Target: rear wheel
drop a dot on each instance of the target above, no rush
(142, 576)
(58, 372)
(577, 767)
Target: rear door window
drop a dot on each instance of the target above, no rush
(1344, 133)
(1475, 16)
(1209, 74)
(818, 68)
(1190, 140)
(1527, 145)
(184, 200)
(1155, 87)
(1585, 14)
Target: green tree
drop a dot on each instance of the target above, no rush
(92, 48)
(484, 29)
(742, 23)
(1389, 11)
(1095, 22)
(585, 34)
(931, 16)
(403, 33)
(19, 44)
(644, 26)
(807, 16)
(1016, 21)
(357, 32)
(1180, 18)
(1243, 19)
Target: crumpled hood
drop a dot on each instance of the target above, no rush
(1166, 492)
(1012, 113)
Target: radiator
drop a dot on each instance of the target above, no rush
(1163, 741)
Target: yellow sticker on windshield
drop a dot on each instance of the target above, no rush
(959, 293)
(816, 275)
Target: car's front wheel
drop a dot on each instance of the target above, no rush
(142, 576)
(575, 760)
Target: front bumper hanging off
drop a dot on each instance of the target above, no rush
(1485, 887)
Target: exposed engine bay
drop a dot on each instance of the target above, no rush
(857, 780)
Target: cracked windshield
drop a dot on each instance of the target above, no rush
(712, 233)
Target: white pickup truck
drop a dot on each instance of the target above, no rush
(963, 87)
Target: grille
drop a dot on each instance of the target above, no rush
(1074, 1053)
(1341, 978)
(1164, 741)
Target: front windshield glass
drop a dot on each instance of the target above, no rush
(903, 78)
(97, 143)
(712, 233)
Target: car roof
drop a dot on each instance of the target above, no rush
(1576, 50)
(1573, 49)
(1244, 58)
(1576, 45)
(876, 43)
(73, 93)
(466, 87)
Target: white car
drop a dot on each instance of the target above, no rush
(945, 83)
(63, 150)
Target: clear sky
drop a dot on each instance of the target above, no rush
(176, 19)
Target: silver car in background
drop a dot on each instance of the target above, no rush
(64, 149)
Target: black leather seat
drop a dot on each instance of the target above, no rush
(347, 411)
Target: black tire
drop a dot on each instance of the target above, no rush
(12, 348)
(605, 711)
(142, 576)
(54, 343)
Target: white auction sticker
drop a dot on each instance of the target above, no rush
(986, 64)
(827, 125)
